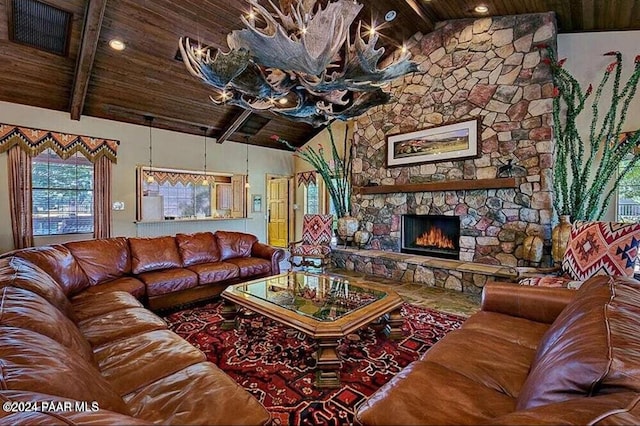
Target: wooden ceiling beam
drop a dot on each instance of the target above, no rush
(90, 36)
(235, 125)
(132, 113)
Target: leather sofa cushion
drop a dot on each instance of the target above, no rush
(56, 417)
(209, 273)
(23, 309)
(426, 392)
(197, 248)
(168, 281)
(21, 273)
(33, 362)
(520, 331)
(220, 400)
(504, 371)
(102, 260)
(235, 244)
(251, 266)
(88, 305)
(152, 254)
(59, 263)
(137, 361)
(119, 324)
(589, 349)
(129, 284)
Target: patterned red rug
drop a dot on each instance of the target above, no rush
(276, 363)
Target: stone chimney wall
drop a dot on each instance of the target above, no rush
(488, 69)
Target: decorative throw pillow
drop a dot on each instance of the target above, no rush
(316, 229)
(601, 248)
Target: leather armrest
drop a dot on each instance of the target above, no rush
(617, 408)
(541, 304)
(275, 255)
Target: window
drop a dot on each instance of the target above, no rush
(62, 194)
(629, 194)
(168, 194)
(311, 199)
(181, 199)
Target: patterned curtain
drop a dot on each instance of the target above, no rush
(102, 198)
(22, 143)
(173, 178)
(306, 178)
(19, 164)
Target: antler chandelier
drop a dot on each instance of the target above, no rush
(299, 62)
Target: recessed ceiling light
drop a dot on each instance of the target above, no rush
(390, 16)
(117, 44)
(481, 9)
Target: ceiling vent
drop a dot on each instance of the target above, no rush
(40, 25)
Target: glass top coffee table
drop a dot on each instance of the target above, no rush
(325, 307)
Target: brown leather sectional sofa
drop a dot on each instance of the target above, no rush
(162, 271)
(532, 355)
(70, 335)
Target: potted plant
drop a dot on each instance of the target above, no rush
(336, 174)
(585, 175)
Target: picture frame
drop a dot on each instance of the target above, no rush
(256, 203)
(454, 141)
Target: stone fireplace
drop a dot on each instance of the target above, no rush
(491, 70)
(431, 235)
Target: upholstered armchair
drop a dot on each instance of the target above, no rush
(594, 248)
(314, 248)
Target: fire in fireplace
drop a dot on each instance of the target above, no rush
(431, 235)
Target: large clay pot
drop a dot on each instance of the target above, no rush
(362, 237)
(532, 249)
(560, 238)
(347, 227)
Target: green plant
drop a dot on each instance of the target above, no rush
(337, 177)
(579, 184)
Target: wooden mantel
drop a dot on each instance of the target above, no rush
(447, 185)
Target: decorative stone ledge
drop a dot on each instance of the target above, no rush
(467, 277)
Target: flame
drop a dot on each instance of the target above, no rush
(435, 238)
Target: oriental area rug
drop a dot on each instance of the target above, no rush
(276, 363)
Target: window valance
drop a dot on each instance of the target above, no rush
(173, 178)
(306, 178)
(35, 141)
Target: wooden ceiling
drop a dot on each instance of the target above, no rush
(147, 79)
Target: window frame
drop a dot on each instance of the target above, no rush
(75, 161)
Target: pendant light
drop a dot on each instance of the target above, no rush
(150, 178)
(205, 181)
(247, 185)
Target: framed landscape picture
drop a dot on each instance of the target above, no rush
(454, 141)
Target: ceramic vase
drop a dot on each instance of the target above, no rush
(362, 237)
(560, 238)
(532, 249)
(347, 227)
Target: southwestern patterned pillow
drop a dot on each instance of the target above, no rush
(601, 248)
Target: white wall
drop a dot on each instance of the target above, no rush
(170, 149)
(585, 61)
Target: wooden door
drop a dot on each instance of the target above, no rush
(279, 212)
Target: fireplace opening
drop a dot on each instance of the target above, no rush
(431, 235)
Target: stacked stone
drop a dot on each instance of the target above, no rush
(487, 69)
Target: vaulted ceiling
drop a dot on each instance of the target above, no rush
(146, 79)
